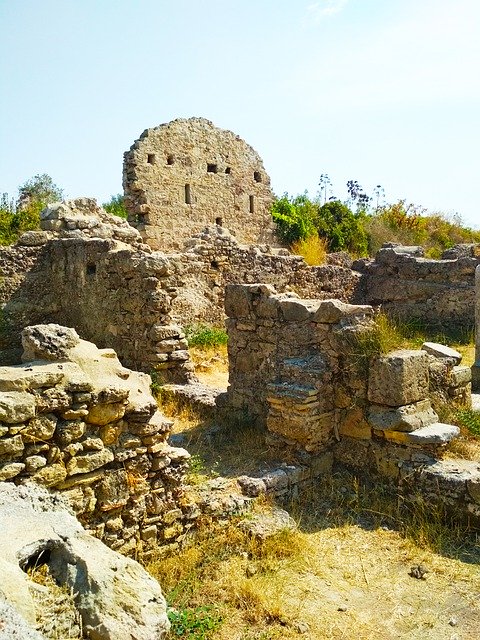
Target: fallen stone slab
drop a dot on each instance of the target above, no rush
(434, 434)
(442, 351)
(116, 598)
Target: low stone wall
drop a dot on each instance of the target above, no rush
(295, 366)
(438, 293)
(73, 419)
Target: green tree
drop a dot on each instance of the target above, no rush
(294, 218)
(342, 229)
(40, 191)
(116, 206)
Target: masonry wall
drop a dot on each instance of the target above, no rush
(438, 293)
(117, 295)
(186, 174)
(73, 419)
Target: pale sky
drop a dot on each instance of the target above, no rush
(380, 91)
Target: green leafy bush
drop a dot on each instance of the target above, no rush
(294, 218)
(469, 419)
(342, 229)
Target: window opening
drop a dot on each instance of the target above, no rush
(212, 168)
(214, 264)
(218, 221)
(151, 158)
(257, 176)
(251, 204)
(91, 269)
(228, 170)
(170, 160)
(188, 194)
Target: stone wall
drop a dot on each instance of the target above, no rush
(296, 367)
(438, 293)
(183, 175)
(214, 258)
(73, 419)
(115, 292)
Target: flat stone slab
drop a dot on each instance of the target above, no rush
(441, 351)
(435, 434)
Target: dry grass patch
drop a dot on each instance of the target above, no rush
(344, 574)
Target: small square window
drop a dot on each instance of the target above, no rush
(151, 158)
(212, 168)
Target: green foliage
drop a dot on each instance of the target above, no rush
(40, 190)
(294, 218)
(469, 419)
(342, 229)
(194, 624)
(116, 206)
(381, 337)
(24, 215)
(204, 336)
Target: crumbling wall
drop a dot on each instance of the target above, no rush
(117, 293)
(214, 258)
(303, 371)
(183, 175)
(438, 293)
(73, 419)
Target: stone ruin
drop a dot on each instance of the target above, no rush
(187, 174)
(296, 367)
(77, 422)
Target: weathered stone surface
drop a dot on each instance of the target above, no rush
(116, 598)
(442, 351)
(407, 418)
(48, 342)
(16, 406)
(11, 447)
(188, 166)
(40, 428)
(10, 470)
(331, 311)
(37, 375)
(434, 434)
(265, 525)
(86, 462)
(50, 476)
(113, 489)
(102, 414)
(399, 378)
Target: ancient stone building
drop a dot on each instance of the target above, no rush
(186, 174)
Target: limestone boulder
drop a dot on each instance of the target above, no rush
(48, 342)
(399, 378)
(442, 351)
(116, 598)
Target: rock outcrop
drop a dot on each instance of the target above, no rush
(116, 598)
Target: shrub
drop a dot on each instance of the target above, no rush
(313, 249)
(196, 624)
(342, 229)
(294, 218)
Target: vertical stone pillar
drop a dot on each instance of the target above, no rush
(476, 366)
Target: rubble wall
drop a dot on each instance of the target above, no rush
(186, 174)
(437, 293)
(73, 419)
(117, 294)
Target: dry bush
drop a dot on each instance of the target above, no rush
(313, 249)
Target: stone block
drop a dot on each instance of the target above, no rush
(442, 351)
(50, 476)
(11, 447)
(435, 434)
(406, 418)
(460, 376)
(86, 462)
(10, 470)
(40, 429)
(354, 425)
(16, 406)
(399, 378)
(102, 414)
(332, 311)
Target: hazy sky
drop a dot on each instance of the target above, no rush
(382, 91)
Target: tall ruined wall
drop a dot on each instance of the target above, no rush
(183, 175)
(439, 293)
(116, 294)
(73, 419)
(214, 259)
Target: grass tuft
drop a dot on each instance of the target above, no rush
(204, 336)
